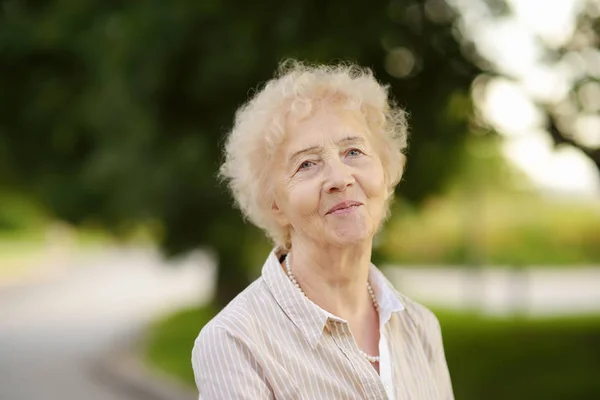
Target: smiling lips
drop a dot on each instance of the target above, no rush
(343, 207)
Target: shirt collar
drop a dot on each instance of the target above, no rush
(309, 317)
(305, 314)
(387, 297)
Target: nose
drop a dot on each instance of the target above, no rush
(338, 178)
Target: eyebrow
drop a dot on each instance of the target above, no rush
(345, 140)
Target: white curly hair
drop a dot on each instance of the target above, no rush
(297, 88)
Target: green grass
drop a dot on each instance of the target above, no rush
(17, 258)
(489, 358)
(23, 251)
(494, 358)
(25, 248)
(169, 341)
(497, 230)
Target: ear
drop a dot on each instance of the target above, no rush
(279, 215)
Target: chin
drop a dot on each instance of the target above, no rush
(350, 238)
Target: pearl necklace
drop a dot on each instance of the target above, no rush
(370, 358)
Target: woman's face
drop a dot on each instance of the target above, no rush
(331, 187)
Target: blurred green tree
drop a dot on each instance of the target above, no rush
(574, 118)
(561, 77)
(114, 111)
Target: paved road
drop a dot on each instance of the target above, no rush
(52, 332)
(500, 291)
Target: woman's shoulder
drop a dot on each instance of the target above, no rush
(241, 317)
(421, 315)
(426, 326)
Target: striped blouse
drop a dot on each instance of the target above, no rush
(271, 342)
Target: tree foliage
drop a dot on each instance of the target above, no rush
(574, 119)
(114, 111)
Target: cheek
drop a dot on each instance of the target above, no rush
(303, 200)
(374, 182)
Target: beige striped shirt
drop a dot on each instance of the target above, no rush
(271, 342)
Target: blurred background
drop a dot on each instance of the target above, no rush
(117, 243)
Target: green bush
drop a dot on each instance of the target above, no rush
(489, 358)
(169, 341)
(505, 230)
(522, 358)
(20, 218)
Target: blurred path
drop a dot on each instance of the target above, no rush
(535, 291)
(52, 331)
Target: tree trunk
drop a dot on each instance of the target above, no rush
(232, 275)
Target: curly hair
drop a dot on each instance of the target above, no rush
(297, 88)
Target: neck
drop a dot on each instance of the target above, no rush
(335, 278)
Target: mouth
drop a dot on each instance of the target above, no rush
(344, 207)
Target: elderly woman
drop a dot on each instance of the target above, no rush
(313, 159)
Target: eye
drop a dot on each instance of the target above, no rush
(305, 165)
(354, 153)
